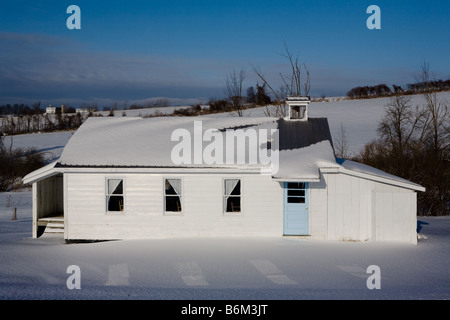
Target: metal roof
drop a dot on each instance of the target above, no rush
(301, 134)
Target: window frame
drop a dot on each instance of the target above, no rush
(181, 197)
(107, 195)
(224, 204)
(300, 197)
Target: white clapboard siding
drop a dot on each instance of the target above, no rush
(394, 216)
(144, 216)
(351, 213)
(143, 195)
(341, 207)
(318, 209)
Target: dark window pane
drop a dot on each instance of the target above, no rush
(115, 203)
(237, 190)
(292, 185)
(170, 189)
(173, 204)
(233, 204)
(296, 200)
(300, 193)
(298, 112)
(296, 185)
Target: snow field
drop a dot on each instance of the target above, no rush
(218, 268)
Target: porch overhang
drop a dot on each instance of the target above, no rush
(42, 173)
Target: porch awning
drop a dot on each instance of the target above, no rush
(42, 173)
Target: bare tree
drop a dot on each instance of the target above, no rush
(251, 95)
(294, 83)
(280, 110)
(400, 123)
(2, 145)
(37, 122)
(341, 144)
(436, 126)
(233, 90)
(15, 163)
(297, 83)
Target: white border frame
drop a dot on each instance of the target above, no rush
(173, 213)
(232, 214)
(116, 213)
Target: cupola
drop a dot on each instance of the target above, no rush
(298, 108)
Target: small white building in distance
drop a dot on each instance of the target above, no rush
(53, 110)
(163, 177)
(50, 110)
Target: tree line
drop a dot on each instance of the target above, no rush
(382, 90)
(38, 122)
(235, 102)
(26, 110)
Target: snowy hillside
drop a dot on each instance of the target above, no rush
(51, 144)
(359, 118)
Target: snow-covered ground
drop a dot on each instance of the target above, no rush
(278, 268)
(260, 268)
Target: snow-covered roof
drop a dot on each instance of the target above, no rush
(147, 142)
(369, 172)
(303, 164)
(150, 143)
(304, 148)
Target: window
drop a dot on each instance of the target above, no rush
(296, 192)
(298, 112)
(232, 195)
(114, 197)
(173, 194)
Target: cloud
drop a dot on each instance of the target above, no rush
(11, 39)
(43, 67)
(53, 70)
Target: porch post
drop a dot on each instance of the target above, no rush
(35, 209)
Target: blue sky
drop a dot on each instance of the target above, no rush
(135, 51)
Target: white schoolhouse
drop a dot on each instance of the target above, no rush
(136, 178)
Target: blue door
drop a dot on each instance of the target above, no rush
(296, 219)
